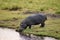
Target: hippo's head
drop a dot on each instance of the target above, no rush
(22, 27)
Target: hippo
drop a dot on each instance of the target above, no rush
(33, 20)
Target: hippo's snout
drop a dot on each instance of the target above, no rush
(20, 30)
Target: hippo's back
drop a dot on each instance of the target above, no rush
(34, 19)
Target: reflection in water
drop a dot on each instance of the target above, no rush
(11, 34)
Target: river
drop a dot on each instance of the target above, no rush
(11, 34)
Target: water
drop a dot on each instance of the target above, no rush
(11, 34)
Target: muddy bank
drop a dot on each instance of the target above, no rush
(53, 15)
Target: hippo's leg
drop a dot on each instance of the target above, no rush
(25, 27)
(42, 24)
(29, 26)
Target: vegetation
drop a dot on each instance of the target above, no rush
(12, 20)
(32, 5)
(12, 13)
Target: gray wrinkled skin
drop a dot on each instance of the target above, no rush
(33, 20)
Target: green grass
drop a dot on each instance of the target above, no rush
(11, 18)
(32, 5)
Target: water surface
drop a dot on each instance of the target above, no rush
(11, 34)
